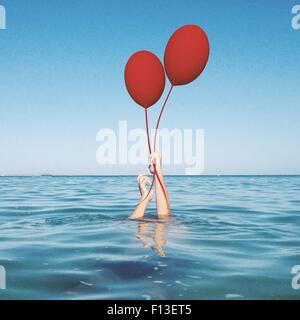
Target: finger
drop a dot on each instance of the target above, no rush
(153, 157)
(151, 169)
(144, 180)
(153, 154)
(139, 177)
(158, 156)
(147, 180)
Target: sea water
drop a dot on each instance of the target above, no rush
(230, 237)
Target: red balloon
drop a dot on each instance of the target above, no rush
(144, 78)
(186, 54)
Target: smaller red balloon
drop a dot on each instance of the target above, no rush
(144, 78)
(186, 54)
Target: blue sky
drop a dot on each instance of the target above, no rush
(61, 81)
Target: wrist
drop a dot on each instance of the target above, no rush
(145, 198)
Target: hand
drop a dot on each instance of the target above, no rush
(155, 158)
(142, 181)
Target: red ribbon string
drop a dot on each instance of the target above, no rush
(149, 145)
(161, 112)
(147, 131)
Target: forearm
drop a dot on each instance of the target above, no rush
(140, 209)
(162, 199)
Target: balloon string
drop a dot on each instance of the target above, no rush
(147, 131)
(149, 147)
(154, 165)
(155, 137)
(161, 112)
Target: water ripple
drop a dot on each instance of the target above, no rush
(229, 238)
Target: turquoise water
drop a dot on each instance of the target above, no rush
(69, 238)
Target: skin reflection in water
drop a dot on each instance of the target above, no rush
(152, 234)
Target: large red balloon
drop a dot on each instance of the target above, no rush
(144, 78)
(186, 54)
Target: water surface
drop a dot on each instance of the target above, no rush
(229, 238)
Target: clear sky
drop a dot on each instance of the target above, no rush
(61, 80)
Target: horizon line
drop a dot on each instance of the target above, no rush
(133, 175)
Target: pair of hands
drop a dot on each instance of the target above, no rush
(144, 180)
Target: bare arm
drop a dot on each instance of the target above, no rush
(144, 199)
(162, 198)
